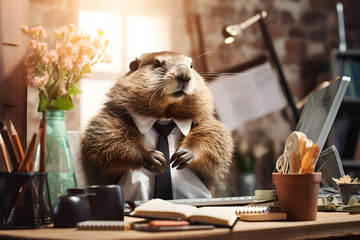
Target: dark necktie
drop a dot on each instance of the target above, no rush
(163, 187)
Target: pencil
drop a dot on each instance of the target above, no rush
(18, 149)
(4, 154)
(42, 167)
(38, 139)
(25, 163)
(9, 146)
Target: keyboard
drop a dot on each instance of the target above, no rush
(210, 201)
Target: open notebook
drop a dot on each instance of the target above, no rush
(161, 209)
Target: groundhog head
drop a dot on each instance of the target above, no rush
(163, 85)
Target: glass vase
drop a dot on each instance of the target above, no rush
(59, 162)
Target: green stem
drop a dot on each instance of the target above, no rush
(102, 52)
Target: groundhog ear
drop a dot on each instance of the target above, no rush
(134, 65)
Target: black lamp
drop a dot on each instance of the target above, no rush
(232, 31)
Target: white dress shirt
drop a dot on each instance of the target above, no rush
(139, 184)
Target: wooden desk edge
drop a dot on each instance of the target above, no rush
(334, 224)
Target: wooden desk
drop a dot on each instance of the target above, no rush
(328, 224)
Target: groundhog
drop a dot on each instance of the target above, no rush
(166, 86)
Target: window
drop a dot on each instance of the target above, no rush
(132, 30)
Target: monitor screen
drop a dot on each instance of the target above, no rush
(320, 111)
(330, 165)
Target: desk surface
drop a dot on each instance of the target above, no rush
(328, 224)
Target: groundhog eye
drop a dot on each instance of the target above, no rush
(191, 65)
(157, 63)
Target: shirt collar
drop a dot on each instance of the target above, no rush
(144, 123)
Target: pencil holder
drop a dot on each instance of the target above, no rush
(25, 200)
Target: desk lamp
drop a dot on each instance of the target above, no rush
(232, 31)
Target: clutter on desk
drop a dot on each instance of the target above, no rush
(14, 157)
(332, 204)
(103, 225)
(346, 180)
(262, 217)
(161, 209)
(296, 183)
(244, 209)
(168, 223)
(25, 199)
(146, 227)
(263, 196)
(70, 210)
(299, 155)
(255, 212)
(348, 187)
(91, 203)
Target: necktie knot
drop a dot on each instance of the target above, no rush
(164, 130)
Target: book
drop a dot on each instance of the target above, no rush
(257, 213)
(103, 225)
(261, 217)
(245, 209)
(161, 209)
(150, 228)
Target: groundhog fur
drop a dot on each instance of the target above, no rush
(161, 85)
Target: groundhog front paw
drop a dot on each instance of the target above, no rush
(181, 158)
(153, 161)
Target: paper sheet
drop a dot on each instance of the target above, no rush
(246, 96)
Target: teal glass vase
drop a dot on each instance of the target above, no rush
(59, 162)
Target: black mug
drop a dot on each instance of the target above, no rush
(89, 198)
(71, 209)
(108, 204)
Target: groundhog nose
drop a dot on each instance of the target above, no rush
(183, 73)
(183, 78)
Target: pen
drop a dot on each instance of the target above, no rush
(16, 141)
(25, 163)
(9, 146)
(4, 154)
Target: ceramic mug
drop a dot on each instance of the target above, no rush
(108, 204)
(71, 209)
(89, 198)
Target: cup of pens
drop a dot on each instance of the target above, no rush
(25, 199)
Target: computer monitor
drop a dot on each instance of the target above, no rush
(320, 110)
(330, 165)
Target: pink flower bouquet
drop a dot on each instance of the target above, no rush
(57, 73)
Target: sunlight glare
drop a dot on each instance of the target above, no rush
(110, 23)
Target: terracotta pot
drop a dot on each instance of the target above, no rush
(298, 194)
